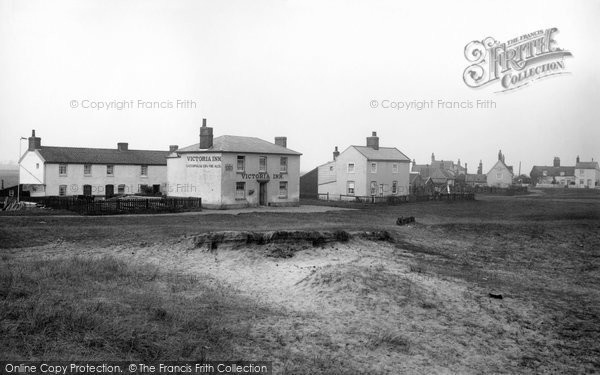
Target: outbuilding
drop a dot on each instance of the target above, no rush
(234, 171)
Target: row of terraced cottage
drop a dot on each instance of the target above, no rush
(235, 171)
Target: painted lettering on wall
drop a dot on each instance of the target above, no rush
(203, 161)
(262, 176)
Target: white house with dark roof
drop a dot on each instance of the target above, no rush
(587, 174)
(61, 171)
(233, 171)
(365, 171)
(500, 175)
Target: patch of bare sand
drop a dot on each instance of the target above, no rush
(358, 303)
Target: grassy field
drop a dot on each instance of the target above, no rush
(138, 288)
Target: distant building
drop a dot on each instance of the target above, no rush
(476, 180)
(365, 171)
(51, 170)
(500, 175)
(309, 184)
(440, 173)
(233, 171)
(587, 174)
(553, 175)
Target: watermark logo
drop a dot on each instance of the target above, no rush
(514, 63)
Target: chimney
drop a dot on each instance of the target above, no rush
(432, 157)
(556, 161)
(577, 160)
(122, 146)
(35, 143)
(281, 141)
(466, 170)
(459, 162)
(373, 141)
(336, 153)
(173, 148)
(480, 168)
(206, 136)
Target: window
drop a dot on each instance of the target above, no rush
(373, 167)
(262, 163)
(283, 189)
(110, 170)
(241, 161)
(87, 169)
(381, 187)
(562, 173)
(62, 190)
(544, 173)
(394, 168)
(283, 165)
(373, 187)
(121, 189)
(62, 169)
(331, 168)
(350, 187)
(499, 176)
(350, 167)
(580, 182)
(394, 187)
(37, 165)
(144, 170)
(142, 188)
(581, 172)
(240, 189)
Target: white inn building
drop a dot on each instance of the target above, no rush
(62, 171)
(233, 171)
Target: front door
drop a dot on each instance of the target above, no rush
(87, 190)
(262, 194)
(109, 190)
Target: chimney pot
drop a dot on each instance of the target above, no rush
(281, 141)
(336, 153)
(35, 143)
(373, 141)
(122, 146)
(206, 136)
(173, 148)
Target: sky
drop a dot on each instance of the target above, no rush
(308, 70)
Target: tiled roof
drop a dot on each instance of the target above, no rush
(232, 143)
(587, 165)
(383, 153)
(82, 155)
(552, 171)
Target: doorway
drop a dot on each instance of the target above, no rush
(262, 194)
(109, 190)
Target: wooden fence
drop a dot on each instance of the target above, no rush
(89, 206)
(393, 200)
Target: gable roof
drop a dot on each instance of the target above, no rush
(83, 155)
(587, 165)
(234, 143)
(510, 169)
(383, 153)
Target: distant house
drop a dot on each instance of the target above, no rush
(365, 171)
(475, 180)
(500, 175)
(555, 174)
(417, 183)
(309, 184)
(587, 174)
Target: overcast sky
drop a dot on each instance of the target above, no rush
(307, 70)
